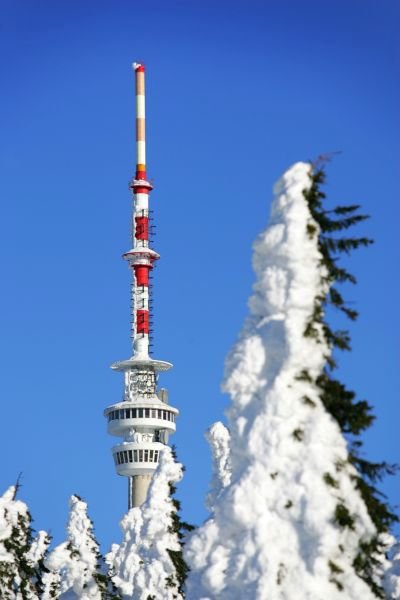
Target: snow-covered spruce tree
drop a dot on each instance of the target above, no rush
(353, 416)
(293, 522)
(75, 567)
(145, 565)
(21, 555)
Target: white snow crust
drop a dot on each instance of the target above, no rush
(73, 563)
(141, 565)
(271, 534)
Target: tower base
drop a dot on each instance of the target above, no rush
(137, 489)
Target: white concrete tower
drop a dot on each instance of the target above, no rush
(143, 418)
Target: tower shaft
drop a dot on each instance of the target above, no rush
(138, 486)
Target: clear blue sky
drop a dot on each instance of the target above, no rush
(237, 91)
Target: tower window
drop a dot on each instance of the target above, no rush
(140, 413)
(147, 413)
(130, 455)
(135, 457)
(127, 413)
(155, 455)
(146, 456)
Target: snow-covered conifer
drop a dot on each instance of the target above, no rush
(218, 438)
(292, 522)
(142, 566)
(75, 567)
(21, 555)
(351, 414)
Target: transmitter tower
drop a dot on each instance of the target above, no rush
(143, 418)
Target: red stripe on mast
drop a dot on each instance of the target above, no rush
(142, 321)
(142, 228)
(142, 275)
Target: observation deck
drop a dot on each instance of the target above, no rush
(146, 416)
(143, 418)
(136, 459)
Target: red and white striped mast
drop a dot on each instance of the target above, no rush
(141, 257)
(143, 418)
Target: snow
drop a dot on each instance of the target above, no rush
(392, 574)
(51, 586)
(218, 437)
(38, 548)
(10, 510)
(141, 564)
(73, 563)
(271, 533)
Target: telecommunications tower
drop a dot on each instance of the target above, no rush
(143, 418)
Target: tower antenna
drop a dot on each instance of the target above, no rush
(143, 418)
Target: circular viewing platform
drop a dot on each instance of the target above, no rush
(140, 417)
